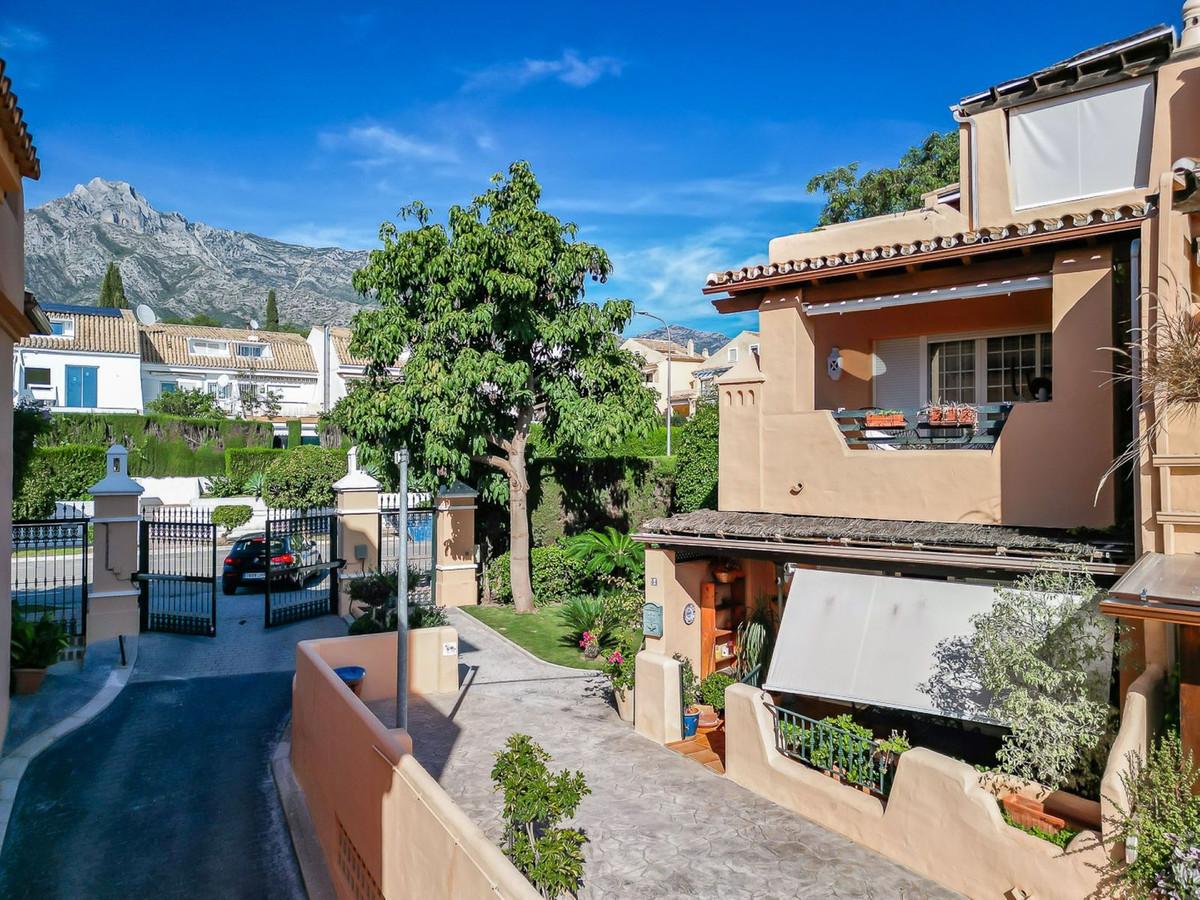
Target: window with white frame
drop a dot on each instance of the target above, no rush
(733, 354)
(63, 328)
(37, 378)
(1082, 145)
(252, 351)
(205, 347)
(1004, 368)
(220, 391)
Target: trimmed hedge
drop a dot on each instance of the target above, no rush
(57, 473)
(295, 432)
(556, 576)
(242, 462)
(161, 445)
(696, 479)
(231, 516)
(303, 478)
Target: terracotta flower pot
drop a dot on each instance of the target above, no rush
(726, 574)
(624, 705)
(27, 681)
(1031, 813)
(885, 420)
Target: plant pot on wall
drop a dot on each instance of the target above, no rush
(625, 708)
(726, 572)
(885, 420)
(1031, 813)
(27, 681)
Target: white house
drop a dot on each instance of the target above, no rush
(337, 367)
(721, 361)
(233, 364)
(89, 363)
(656, 356)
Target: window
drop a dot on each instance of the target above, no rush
(952, 372)
(252, 351)
(81, 387)
(1013, 362)
(733, 354)
(168, 387)
(202, 347)
(63, 328)
(37, 378)
(220, 391)
(1082, 145)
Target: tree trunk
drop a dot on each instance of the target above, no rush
(518, 533)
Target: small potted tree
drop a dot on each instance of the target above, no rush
(35, 647)
(712, 692)
(690, 687)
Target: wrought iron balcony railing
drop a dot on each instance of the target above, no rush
(852, 758)
(935, 428)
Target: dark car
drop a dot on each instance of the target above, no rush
(294, 559)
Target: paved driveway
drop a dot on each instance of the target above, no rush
(658, 825)
(168, 792)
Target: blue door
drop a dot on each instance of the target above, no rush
(81, 387)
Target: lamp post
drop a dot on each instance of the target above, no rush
(401, 458)
(670, 344)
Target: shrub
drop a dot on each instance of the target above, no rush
(231, 516)
(188, 404)
(619, 665)
(556, 576)
(254, 485)
(584, 614)
(294, 433)
(367, 624)
(499, 579)
(36, 645)
(688, 681)
(609, 552)
(696, 475)
(57, 473)
(223, 486)
(1163, 810)
(303, 478)
(243, 462)
(712, 689)
(426, 615)
(536, 802)
(29, 423)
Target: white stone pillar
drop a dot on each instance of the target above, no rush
(113, 595)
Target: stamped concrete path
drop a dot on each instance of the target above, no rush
(658, 825)
(168, 792)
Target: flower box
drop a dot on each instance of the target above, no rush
(885, 420)
(1031, 813)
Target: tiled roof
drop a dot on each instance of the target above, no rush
(96, 331)
(16, 133)
(339, 336)
(711, 372)
(168, 344)
(678, 351)
(914, 250)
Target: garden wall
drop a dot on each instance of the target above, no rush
(386, 827)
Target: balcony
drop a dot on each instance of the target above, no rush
(933, 427)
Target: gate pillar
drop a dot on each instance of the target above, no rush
(113, 596)
(358, 526)
(454, 550)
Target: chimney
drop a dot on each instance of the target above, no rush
(1191, 25)
(692, 347)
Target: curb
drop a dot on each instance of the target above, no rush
(317, 882)
(14, 764)
(582, 673)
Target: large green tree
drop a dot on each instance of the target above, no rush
(929, 165)
(490, 309)
(112, 289)
(272, 316)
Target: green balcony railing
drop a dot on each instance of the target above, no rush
(916, 430)
(753, 677)
(853, 758)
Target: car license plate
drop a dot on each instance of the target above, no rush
(254, 576)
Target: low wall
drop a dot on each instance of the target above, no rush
(938, 820)
(179, 491)
(656, 697)
(1140, 719)
(386, 827)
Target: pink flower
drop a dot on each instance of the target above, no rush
(616, 659)
(587, 639)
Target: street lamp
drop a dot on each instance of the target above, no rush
(401, 458)
(670, 344)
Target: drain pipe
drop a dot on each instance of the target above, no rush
(1135, 367)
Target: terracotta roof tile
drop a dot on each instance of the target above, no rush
(16, 133)
(94, 331)
(168, 344)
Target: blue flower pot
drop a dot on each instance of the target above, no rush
(690, 723)
(352, 676)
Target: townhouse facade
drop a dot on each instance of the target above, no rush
(704, 378)
(20, 317)
(933, 413)
(658, 357)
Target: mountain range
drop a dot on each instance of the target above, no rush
(178, 266)
(705, 342)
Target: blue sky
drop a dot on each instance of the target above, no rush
(679, 137)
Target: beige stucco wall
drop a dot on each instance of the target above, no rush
(672, 587)
(113, 594)
(6, 462)
(656, 697)
(378, 814)
(938, 820)
(781, 451)
(456, 571)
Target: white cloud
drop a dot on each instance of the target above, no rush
(570, 69)
(378, 145)
(705, 197)
(309, 234)
(17, 37)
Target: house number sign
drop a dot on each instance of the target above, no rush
(652, 620)
(689, 614)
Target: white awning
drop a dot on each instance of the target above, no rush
(873, 639)
(993, 288)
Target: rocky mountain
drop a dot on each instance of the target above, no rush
(703, 341)
(177, 266)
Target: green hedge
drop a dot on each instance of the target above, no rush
(294, 434)
(303, 478)
(569, 497)
(232, 515)
(161, 445)
(242, 462)
(696, 479)
(556, 576)
(57, 473)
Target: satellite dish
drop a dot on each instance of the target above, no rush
(254, 324)
(223, 381)
(145, 314)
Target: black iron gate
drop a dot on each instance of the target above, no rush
(178, 567)
(422, 579)
(50, 574)
(302, 565)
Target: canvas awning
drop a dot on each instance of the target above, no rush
(874, 639)
(992, 288)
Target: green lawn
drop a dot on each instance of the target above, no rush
(542, 633)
